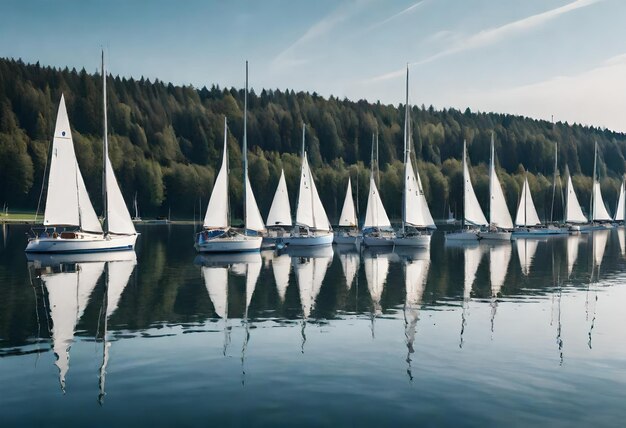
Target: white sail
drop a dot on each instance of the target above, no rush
(310, 211)
(574, 213)
(472, 256)
(621, 206)
(376, 270)
(375, 214)
(281, 265)
(217, 211)
(526, 249)
(428, 218)
(526, 211)
(119, 274)
(67, 201)
(600, 238)
(572, 252)
(216, 282)
(499, 215)
(599, 209)
(473, 213)
(499, 258)
(68, 296)
(348, 213)
(280, 211)
(118, 217)
(413, 199)
(254, 221)
(350, 266)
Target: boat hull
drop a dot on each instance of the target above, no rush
(318, 239)
(87, 243)
(543, 232)
(346, 239)
(500, 235)
(463, 235)
(231, 244)
(422, 241)
(378, 241)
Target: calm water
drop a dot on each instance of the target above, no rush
(518, 334)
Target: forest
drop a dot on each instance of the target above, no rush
(166, 144)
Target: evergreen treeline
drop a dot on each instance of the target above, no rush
(166, 144)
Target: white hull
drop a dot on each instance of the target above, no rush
(84, 243)
(589, 227)
(463, 235)
(422, 241)
(317, 239)
(499, 235)
(231, 244)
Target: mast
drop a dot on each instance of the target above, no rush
(374, 178)
(377, 167)
(592, 210)
(556, 153)
(492, 169)
(105, 150)
(464, 184)
(245, 153)
(525, 201)
(406, 149)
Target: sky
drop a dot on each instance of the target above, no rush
(540, 58)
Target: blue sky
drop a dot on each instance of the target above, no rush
(539, 58)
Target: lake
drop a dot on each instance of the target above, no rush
(524, 333)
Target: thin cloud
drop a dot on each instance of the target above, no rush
(397, 15)
(495, 35)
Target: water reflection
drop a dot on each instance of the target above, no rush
(499, 258)
(526, 249)
(69, 281)
(376, 264)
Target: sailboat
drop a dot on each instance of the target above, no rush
(500, 222)
(417, 222)
(218, 236)
(527, 221)
(312, 227)
(473, 216)
(347, 221)
(377, 230)
(600, 217)
(118, 273)
(575, 219)
(279, 218)
(70, 222)
(620, 209)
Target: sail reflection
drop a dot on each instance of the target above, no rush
(526, 249)
(281, 266)
(349, 258)
(69, 281)
(573, 241)
(621, 238)
(310, 266)
(499, 259)
(416, 273)
(472, 255)
(376, 266)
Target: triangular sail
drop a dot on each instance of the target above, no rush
(375, 215)
(413, 199)
(473, 213)
(499, 258)
(599, 209)
(319, 213)
(526, 249)
(426, 214)
(526, 211)
(499, 215)
(67, 201)
(280, 211)
(310, 211)
(254, 221)
(574, 213)
(217, 211)
(621, 206)
(348, 213)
